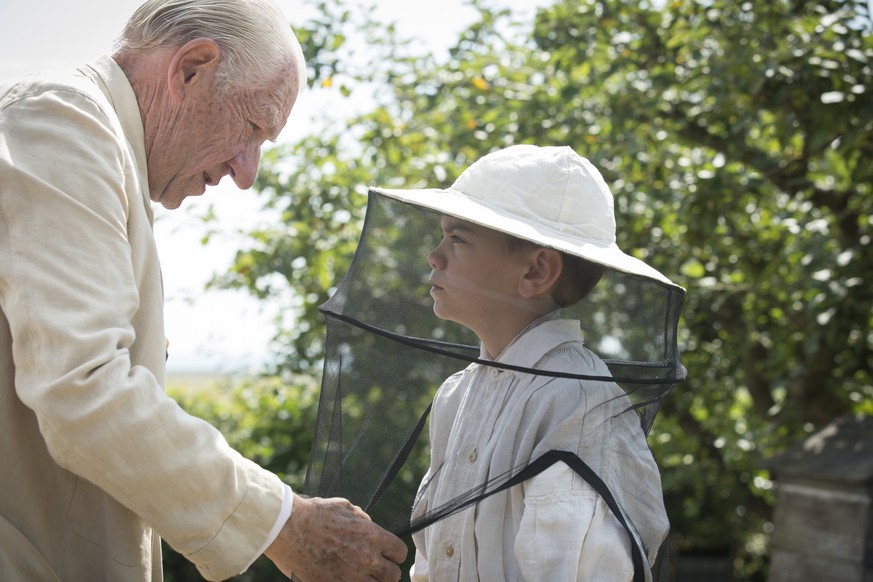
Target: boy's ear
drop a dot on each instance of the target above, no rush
(545, 268)
(191, 64)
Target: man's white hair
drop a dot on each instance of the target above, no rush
(256, 42)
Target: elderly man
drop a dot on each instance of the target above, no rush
(93, 454)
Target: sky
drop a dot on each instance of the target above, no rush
(209, 331)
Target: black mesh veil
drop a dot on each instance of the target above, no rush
(387, 354)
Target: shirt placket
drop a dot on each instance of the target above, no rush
(474, 429)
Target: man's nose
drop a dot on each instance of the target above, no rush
(245, 166)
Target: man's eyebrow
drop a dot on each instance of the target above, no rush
(272, 121)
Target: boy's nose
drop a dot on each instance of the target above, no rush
(432, 259)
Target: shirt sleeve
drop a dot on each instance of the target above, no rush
(284, 515)
(567, 532)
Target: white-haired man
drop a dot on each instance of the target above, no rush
(96, 462)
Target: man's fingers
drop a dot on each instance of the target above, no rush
(394, 549)
(390, 573)
(361, 513)
(346, 503)
(333, 539)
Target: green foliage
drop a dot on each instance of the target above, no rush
(268, 420)
(737, 139)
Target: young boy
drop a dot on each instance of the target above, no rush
(527, 231)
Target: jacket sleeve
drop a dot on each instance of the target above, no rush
(567, 532)
(591, 420)
(69, 288)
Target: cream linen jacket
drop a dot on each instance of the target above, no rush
(93, 453)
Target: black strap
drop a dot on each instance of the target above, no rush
(399, 460)
(673, 372)
(535, 468)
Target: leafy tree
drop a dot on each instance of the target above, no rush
(269, 420)
(737, 139)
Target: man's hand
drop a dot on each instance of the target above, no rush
(331, 539)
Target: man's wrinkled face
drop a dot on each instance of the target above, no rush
(211, 136)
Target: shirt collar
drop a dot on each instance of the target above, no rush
(538, 338)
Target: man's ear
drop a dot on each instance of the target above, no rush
(544, 269)
(191, 66)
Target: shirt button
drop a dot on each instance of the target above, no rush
(450, 550)
(473, 456)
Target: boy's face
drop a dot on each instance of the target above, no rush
(474, 276)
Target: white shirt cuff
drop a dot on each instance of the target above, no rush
(284, 514)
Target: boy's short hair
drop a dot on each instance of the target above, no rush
(578, 276)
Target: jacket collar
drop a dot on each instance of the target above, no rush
(113, 83)
(537, 339)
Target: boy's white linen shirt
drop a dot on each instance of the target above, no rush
(485, 421)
